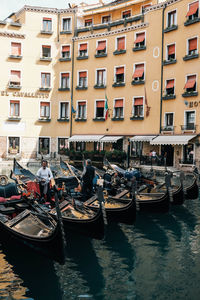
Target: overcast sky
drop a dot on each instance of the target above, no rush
(9, 6)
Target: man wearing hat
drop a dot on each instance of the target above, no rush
(87, 180)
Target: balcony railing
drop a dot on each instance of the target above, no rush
(189, 161)
(167, 128)
(188, 127)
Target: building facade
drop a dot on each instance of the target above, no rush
(101, 77)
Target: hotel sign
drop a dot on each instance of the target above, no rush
(24, 94)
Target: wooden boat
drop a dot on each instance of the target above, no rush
(117, 209)
(80, 219)
(21, 173)
(34, 229)
(153, 202)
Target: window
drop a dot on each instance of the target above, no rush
(47, 24)
(171, 18)
(193, 11)
(170, 87)
(64, 84)
(106, 19)
(65, 52)
(171, 52)
(66, 24)
(100, 109)
(13, 145)
(45, 78)
(16, 49)
(44, 110)
(138, 107)
(192, 46)
(119, 75)
(136, 148)
(126, 14)
(101, 77)
(82, 79)
(15, 78)
(80, 146)
(83, 50)
(81, 110)
(63, 146)
(46, 51)
(88, 22)
(64, 110)
(44, 146)
(190, 120)
(169, 120)
(118, 109)
(190, 85)
(139, 72)
(120, 43)
(14, 108)
(101, 48)
(188, 153)
(140, 39)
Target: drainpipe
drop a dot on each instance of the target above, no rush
(72, 77)
(162, 50)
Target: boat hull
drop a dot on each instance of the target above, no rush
(157, 204)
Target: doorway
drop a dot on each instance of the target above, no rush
(168, 150)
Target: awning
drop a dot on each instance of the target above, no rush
(142, 138)
(140, 38)
(85, 138)
(111, 139)
(172, 139)
(193, 8)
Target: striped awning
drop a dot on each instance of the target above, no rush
(142, 138)
(172, 139)
(85, 138)
(111, 139)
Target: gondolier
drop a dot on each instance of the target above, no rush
(87, 180)
(44, 175)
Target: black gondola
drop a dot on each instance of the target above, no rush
(117, 210)
(153, 202)
(191, 189)
(34, 230)
(77, 218)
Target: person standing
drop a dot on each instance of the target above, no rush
(87, 180)
(45, 175)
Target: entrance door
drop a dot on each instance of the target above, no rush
(168, 152)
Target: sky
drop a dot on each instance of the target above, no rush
(9, 6)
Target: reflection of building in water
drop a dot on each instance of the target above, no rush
(10, 285)
(100, 72)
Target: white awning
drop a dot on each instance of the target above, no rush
(172, 139)
(142, 138)
(111, 139)
(85, 138)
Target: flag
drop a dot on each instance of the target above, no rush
(146, 103)
(73, 110)
(106, 107)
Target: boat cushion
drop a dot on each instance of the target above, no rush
(2, 199)
(8, 190)
(15, 197)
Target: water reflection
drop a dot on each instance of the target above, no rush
(36, 272)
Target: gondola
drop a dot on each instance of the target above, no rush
(117, 209)
(80, 219)
(33, 228)
(153, 202)
(191, 188)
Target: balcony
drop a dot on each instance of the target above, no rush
(82, 57)
(169, 62)
(66, 32)
(169, 97)
(190, 56)
(192, 21)
(14, 86)
(63, 89)
(117, 119)
(100, 55)
(44, 119)
(63, 119)
(65, 59)
(167, 129)
(15, 56)
(139, 48)
(45, 89)
(99, 86)
(171, 28)
(138, 82)
(118, 84)
(81, 88)
(81, 119)
(99, 119)
(48, 32)
(44, 58)
(137, 118)
(188, 128)
(14, 118)
(117, 52)
(190, 94)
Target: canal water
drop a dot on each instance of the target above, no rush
(157, 258)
